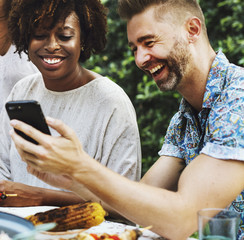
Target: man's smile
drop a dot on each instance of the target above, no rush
(156, 69)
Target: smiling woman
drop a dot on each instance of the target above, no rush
(53, 35)
(58, 36)
(91, 14)
(55, 54)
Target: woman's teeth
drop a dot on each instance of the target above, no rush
(52, 60)
(155, 69)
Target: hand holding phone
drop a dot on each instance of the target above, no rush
(30, 112)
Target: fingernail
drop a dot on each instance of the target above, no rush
(13, 122)
(49, 119)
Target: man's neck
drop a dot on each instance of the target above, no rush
(194, 86)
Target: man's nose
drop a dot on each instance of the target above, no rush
(142, 56)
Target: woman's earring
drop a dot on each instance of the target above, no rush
(82, 48)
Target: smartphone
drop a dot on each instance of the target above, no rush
(30, 112)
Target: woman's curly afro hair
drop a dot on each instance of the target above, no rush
(26, 15)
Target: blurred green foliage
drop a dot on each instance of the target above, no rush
(224, 19)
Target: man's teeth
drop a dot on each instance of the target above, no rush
(52, 60)
(155, 69)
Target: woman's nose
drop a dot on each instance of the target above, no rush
(52, 44)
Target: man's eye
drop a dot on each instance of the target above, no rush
(133, 49)
(149, 44)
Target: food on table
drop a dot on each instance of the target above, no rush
(78, 216)
(126, 235)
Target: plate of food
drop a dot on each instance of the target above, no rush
(77, 216)
(18, 228)
(68, 220)
(10, 225)
(26, 211)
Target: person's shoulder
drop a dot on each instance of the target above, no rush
(234, 80)
(105, 81)
(235, 71)
(20, 63)
(24, 85)
(104, 90)
(227, 69)
(104, 85)
(29, 80)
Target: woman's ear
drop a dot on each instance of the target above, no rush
(194, 29)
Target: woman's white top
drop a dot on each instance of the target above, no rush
(100, 113)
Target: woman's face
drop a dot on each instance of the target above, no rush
(56, 52)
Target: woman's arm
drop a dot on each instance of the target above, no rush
(35, 196)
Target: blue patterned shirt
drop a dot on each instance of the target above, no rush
(218, 130)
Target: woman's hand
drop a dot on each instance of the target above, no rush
(35, 196)
(26, 195)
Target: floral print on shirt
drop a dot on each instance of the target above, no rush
(218, 130)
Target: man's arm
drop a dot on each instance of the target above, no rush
(205, 182)
(169, 170)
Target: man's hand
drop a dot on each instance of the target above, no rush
(58, 153)
(59, 181)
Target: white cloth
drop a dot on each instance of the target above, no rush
(100, 113)
(12, 69)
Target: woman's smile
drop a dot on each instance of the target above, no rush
(52, 61)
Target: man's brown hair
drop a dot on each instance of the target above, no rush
(179, 9)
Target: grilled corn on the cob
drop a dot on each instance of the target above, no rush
(76, 216)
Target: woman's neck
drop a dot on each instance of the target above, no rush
(80, 77)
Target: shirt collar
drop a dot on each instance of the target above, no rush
(216, 79)
(215, 82)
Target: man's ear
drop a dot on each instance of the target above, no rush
(194, 29)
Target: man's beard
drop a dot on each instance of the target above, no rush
(177, 62)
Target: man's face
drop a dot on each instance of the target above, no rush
(159, 49)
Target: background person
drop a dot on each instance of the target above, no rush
(201, 161)
(12, 66)
(60, 34)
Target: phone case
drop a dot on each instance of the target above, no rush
(30, 112)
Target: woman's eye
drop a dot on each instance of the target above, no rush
(39, 37)
(65, 38)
